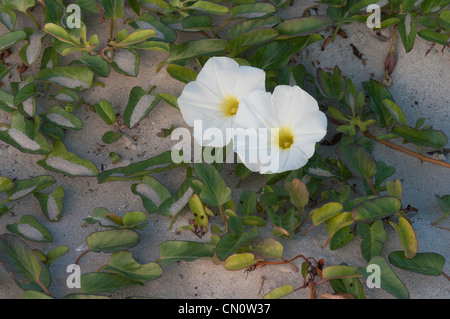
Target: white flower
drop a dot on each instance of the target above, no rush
(278, 132)
(214, 98)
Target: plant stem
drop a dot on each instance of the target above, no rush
(33, 18)
(43, 287)
(371, 186)
(81, 256)
(439, 220)
(421, 157)
(445, 275)
(224, 218)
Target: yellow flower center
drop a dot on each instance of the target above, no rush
(230, 105)
(285, 137)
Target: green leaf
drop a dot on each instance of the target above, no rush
(376, 208)
(252, 10)
(114, 9)
(23, 188)
(140, 103)
(373, 236)
(327, 211)
(176, 203)
(277, 53)
(123, 263)
(284, 225)
(341, 238)
(195, 48)
(113, 240)
(135, 220)
(182, 73)
(110, 137)
(147, 166)
(18, 259)
(29, 228)
(351, 285)
(407, 29)
(35, 295)
(55, 254)
(249, 25)
(407, 236)
(430, 264)
(152, 193)
(19, 5)
(298, 192)
(444, 202)
(126, 61)
(215, 191)
(279, 292)
(96, 64)
(197, 209)
(62, 161)
(240, 261)
(60, 117)
(208, 7)
(32, 50)
(231, 242)
(357, 159)
(175, 250)
(300, 25)
(247, 202)
(249, 39)
(332, 85)
(388, 280)
(149, 22)
(6, 184)
(8, 18)
(98, 282)
(75, 78)
(428, 137)
(378, 93)
(106, 112)
(51, 204)
(395, 111)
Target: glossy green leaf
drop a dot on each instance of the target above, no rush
(327, 211)
(62, 161)
(149, 22)
(51, 204)
(357, 159)
(19, 5)
(113, 240)
(123, 263)
(252, 10)
(376, 208)
(215, 191)
(18, 259)
(106, 112)
(249, 25)
(279, 292)
(208, 7)
(55, 254)
(29, 228)
(249, 39)
(6, 184)
(377, 94)
(114, 9)
(333, 85)
(96, 64)
(152, 193)
(182, 73)
(75, 78)
(247, 203)
(407, 30)
(388, 279)
(140, 103)
(25, 187)
(300, 25)
(407, 236)
(231, 242)
(98, 282)
(111, 137)
(429, 137)
(195, 48)
(8, 18)
(60, 117)
(240, 261)
(373, 236)
(395, 111)
(341, 238)
(136, 220)
(7, 40)
(173, 251)
(430, 264)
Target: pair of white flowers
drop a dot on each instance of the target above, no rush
(271, 133)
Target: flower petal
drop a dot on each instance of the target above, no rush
(248, 79)
(218, 75)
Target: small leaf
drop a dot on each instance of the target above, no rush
(55, 254)
(251, 10)
(29, 228)
(149, 22)
(327, 211)
(341, 238)
(135, 220)
(376, 208)
(6, 184)
(247, 202)
(215, 191)
(75, 78)
(112, 240)
(60, 117)
(106, 112)
(98, 282)
(429, 137)
(279, 292)
(23, 188)
(9, 39)
(240, 261)
(51, 205)
(298, 192)
(300, 25)
(152, 193)
(140, 103)
(181, 73)
(358, 160)
(407, 236)
(173, 251)
(111, 137)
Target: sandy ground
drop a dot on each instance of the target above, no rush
(420, 87)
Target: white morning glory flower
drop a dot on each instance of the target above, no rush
(214, 99)
(278, 132)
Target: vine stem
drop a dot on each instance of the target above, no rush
(43, 287)
(81, 256)
(371, 186)
(421, 157)
(445, 275)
